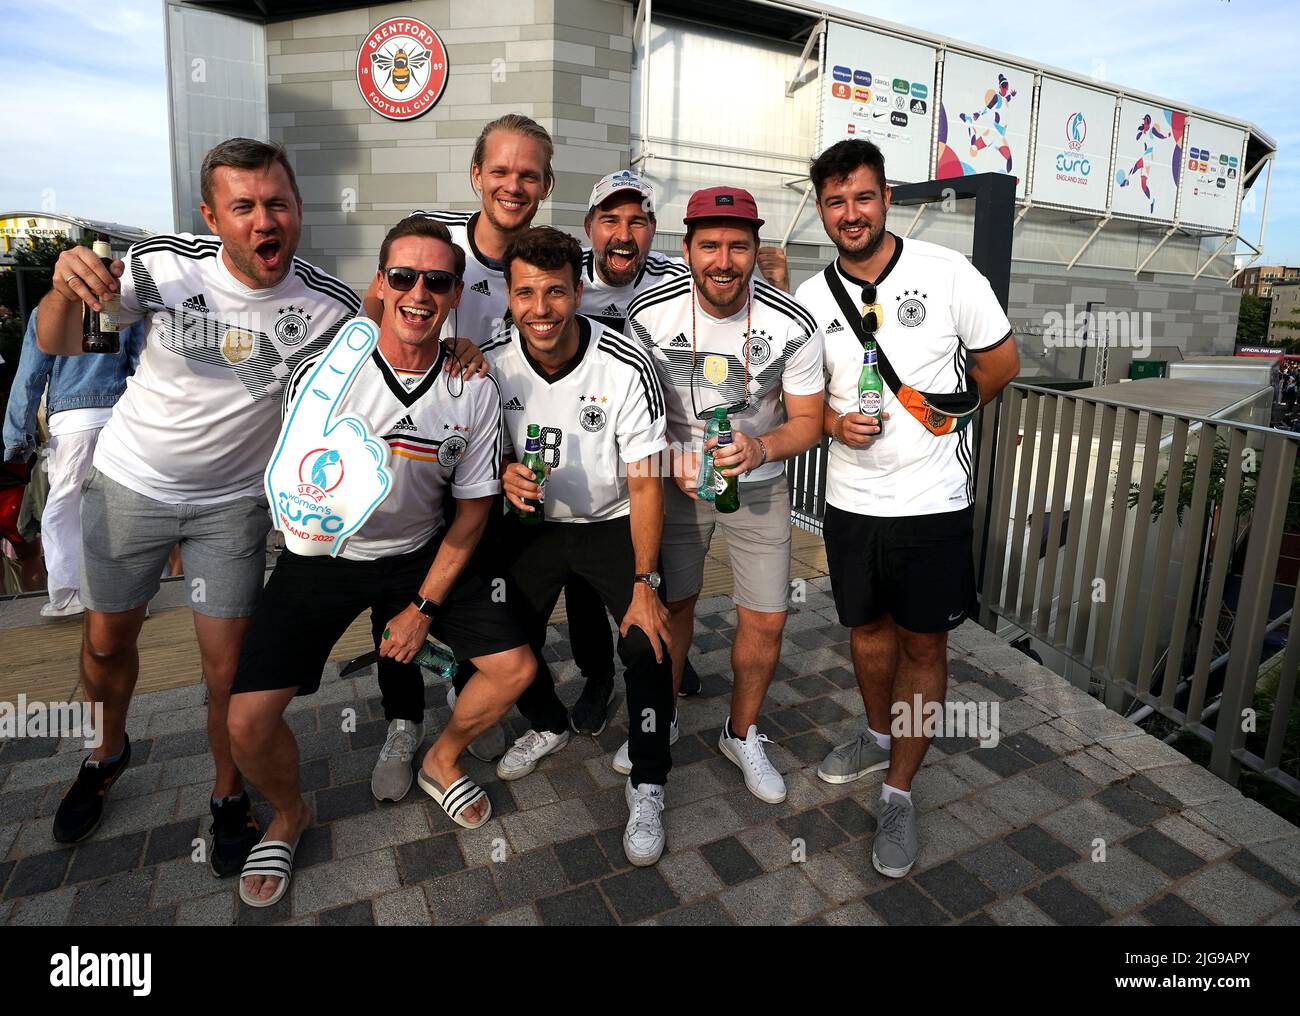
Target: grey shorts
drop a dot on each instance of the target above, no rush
(758, 538)
(126, 538)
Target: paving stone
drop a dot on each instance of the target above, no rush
(1060, 738)
(1079, 824)
(533, 791)
(1020, 799)
(1120, 883)
(182, 772)
(1159, 850)
(903, 903)
(1016, 910)
(385, 827)
(1139, 783)
(38, 873)
(520, 917)
(552, 823)
(1282, 855)
(851, 817)
(1143, 753)
(1000, 868)
(176, 839)
(770, 846)
(583, 907)
(815, 828)
(21, 804)
(462, 898)
(854, 915)
(823, 711)
(1245, 821)
(790, 719)
(97, 858)
(941, 835)
(689, 783)
(315, 847)
(638, 894)
(1102, 771)
(688, 874)
(935, 786)
(1028, 746)
(582, 859)
(969, 771)
(704, 914)
(984, 823)
(701, 822)
(836, 880)
(1040, 848)
(51, 908)
(1171, 911)
(955, 889)
(343, 802)
(349, 915)
(780, 897)
(428, 858)
(1228, 895)
(406, 907)
(1065, 904)
(1063, 779)
(136, 814)
(529, 876)
(1287, 918)
(1130, 806)
(111, 900)
(731, 861)
(345, 880)
(1103, 726)
(215, 910)
(1194, 833)
(809, 748)
(183, 879)
(572, 781)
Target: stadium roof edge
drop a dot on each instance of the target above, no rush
(116, 230)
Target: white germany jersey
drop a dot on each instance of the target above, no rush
(783, 348)
(199, 418)
(605, 410)
(608, 304)
(937, 307)
(483, 305)
(443, 434)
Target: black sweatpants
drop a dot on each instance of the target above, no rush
(545, 558)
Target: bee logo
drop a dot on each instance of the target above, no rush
(399, 64)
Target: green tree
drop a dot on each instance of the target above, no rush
(1252, 320)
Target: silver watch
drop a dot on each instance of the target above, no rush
(651, 579)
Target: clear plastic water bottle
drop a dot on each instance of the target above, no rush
(706, 485)
(433, 655)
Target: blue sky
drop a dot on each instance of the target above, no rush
(85, 104)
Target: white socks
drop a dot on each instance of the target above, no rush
(883, 740)
(886, 792)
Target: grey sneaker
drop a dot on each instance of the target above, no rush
(643, 838)
(893, 851)
(489, 745)
(851, 761)
(392, 776)
(525, 753)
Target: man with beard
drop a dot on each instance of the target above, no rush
(899, 520)
(721, 338)
(180, 461)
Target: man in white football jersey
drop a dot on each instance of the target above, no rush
(406, 564)
(899, 521)
(721, 338)
(598, 409)
(180, 461)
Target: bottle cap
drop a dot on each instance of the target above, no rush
(720, 413)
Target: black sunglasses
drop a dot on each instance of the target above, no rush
(870, 319)
(435, 280)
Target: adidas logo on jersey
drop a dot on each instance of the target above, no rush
(481, 287)
(405, 423)
(834, 326)
(196, 302)
(612, 310)
(515, 404)
(680, 341)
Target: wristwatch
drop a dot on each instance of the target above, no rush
(651, 579)
(429, 608)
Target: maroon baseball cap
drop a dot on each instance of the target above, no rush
(722, 203)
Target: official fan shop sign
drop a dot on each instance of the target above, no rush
(329, 473)
(402, 68)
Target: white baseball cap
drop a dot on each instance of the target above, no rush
(623, 180)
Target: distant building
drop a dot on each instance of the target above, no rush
(18, 228)
(1284, 317)
(1259, 280)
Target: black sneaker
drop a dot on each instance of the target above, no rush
(591, 712)
(83, 805)
(691, 683)
(234, 833)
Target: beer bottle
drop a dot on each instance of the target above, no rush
(727, 487)
(533, 460)
(99, 328)
(705, 488)
(871, 392)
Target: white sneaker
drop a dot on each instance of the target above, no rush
(71, 608)
(761, 777)
(392, 776)
(489, 745)
(623, 757)
(524, 754)
(643, 839)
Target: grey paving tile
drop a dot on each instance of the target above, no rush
(688, 874)
(584, 907)
(1171, 911)
(345, 880)
(1191, 832)
(955, 888)
(780, 897)
(99, 858)
(1041, 848)
(405, 907)
(771, 847)
(701, 822)
(936, 785)
(1016, 910)
(815, 829)
(183, 879)
(638, 894)
(1120, 883)
(850, 816)
(904, 903)
(1164, 853)
(463, 898)
(1065, 904)
(1282, 855)
(582, 859)
(1081, 824)
(985, 823)
(38, 873)
(1130, 806)
(835, 879)
(1143, 753)
(941, 835)
(168, 842)
(1000, 868)
(1020, 799)
(1065, 780)
(528, 877)
(384, 827)
(520, 917)
(1245, 821)
(533, 791)
(349, 915)
(51, 908)
(217, 909)
(344, 801)
(706, 913)
(428, 858)
(110, 900)
(853, 915)
(1230, 896)
(142, 813)
(731, 862)
(552, 823)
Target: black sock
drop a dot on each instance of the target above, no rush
(731, 731)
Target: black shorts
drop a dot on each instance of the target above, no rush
(309, 602)
(918, 569)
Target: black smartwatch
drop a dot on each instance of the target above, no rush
(429, 608)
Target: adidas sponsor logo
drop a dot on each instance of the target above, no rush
(196, 302)
(481, 287)
(515, 404)
(612, 310)
(680, 341)
(834, 326)
(405, 423)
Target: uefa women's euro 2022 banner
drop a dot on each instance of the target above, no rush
(1148, 160)
(1072, 147)
(985, 111)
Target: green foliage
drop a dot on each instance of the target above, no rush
(1252, 320)
(41, 253)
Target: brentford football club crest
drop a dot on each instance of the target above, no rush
(402, 68)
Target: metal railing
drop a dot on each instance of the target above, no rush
(1116, 535)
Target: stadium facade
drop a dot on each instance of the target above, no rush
(1127, 202)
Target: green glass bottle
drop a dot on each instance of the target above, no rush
(533, 460)
(728, 496)
(871, 391)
